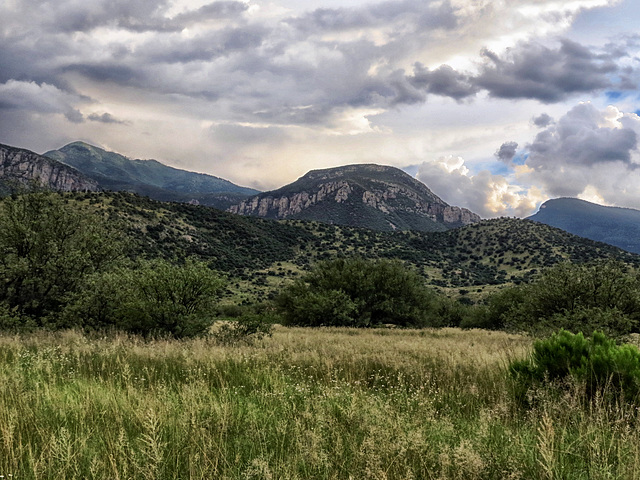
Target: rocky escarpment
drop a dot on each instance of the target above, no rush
(24, 166)
(371, 196)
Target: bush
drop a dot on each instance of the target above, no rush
(598, 296)
(356, 292)
(47, 249)
(597, 364)
(150, 298)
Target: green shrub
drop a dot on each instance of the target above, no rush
(149, 298)
(597, 364)
(602, 295)
(356, 292)
(47, 249)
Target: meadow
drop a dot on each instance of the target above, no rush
(302, 404)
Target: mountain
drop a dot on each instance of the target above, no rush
(151, 178)
(612, 225)
(260, 255)
(22, 166)
(369, 196)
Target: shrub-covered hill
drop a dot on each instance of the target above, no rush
(258, 255)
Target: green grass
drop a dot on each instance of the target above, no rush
(304, 404)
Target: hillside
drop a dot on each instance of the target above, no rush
(21, 166)
(369, 196)
(612, 225)
(259, 255)
(151, 178)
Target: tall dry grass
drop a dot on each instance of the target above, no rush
(304, 404)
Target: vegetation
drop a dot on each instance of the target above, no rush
(260, 256)
(47, 247)
(596, 296)
(62, 266)
(357, 293)
(149, 298)
(597, 365)
(307, 403)
(304, 403)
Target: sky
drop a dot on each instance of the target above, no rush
(496, 105)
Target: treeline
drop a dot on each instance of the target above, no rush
(63, 265)
(602, 295)
(68, 264)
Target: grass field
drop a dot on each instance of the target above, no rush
(304, 404)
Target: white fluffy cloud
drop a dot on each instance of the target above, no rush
(486, 194)
(588, 153)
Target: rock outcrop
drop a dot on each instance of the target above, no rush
(23, 166)
(371, 196)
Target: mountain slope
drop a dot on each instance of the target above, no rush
(612, 225)
(148, 177)
(260, 255)
(369, 196)
(23, 166)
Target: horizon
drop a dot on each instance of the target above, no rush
(496, 107)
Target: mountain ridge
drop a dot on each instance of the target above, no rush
(616, 226)
(361, 195)
(117, 172)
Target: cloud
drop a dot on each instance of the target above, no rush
(506, 152)
(567, 157)
(484, 193)
(588, 153)
(443, 81)
(543, 120)
(296, 70)
(394, 15)
(39, 98)
(105, 118)
(548, 75)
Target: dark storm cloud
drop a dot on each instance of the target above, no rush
(106, 72)
(545, 74)
(506, 152)
(528, 71)
(74, 116)
(212, 11)
(578, 139)
(443, 81)
(105, 118)
(542, 121)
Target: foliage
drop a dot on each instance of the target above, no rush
(48, 245)
(579, 297)
(150, 297)
(359, 293)
(599, 365)
(327, 403)
(244, 329)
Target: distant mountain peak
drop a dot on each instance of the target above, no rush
(151, 178)
(372, 196)
(613, 225)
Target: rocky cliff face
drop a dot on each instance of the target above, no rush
(24, 166)
(385, 197)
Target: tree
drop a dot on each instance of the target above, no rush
(602, 295)
(47, 247)
(150, 298)
(359, 293)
